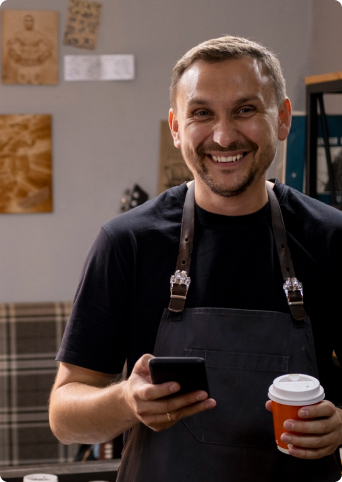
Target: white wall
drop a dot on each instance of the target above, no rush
(106, 134)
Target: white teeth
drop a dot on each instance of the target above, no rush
(227, 159)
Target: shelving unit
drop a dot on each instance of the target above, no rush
(316, 87)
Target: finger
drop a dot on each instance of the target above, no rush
(322, 409)
(317, 442)
(189, 410)
(268, 405)
(142, 365)
(178, 402)
(319, 427)
(165, 420)
(167, 404)
(148, 410)
(300, 453)
(156, 391)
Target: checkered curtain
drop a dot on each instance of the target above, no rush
(30, 335)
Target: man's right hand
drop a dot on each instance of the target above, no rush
(87, 407)
(152, 404)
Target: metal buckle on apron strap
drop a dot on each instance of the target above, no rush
(180, 278)
(179, 285)
(294, 291)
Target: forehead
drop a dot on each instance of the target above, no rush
(229, 79)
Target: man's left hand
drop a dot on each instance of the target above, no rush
(318, 432)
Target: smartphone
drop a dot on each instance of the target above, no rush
(189, 372)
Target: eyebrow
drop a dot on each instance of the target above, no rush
(242, 100)
(197, 101)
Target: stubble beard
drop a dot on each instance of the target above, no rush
(196, 162)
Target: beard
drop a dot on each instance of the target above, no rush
(196, 162)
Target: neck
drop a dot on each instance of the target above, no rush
(248, 202)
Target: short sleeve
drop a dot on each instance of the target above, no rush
(97, 334)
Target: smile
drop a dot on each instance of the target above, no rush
(227, 159)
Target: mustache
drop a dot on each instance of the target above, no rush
(234, 146)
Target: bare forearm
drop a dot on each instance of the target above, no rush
(86, 407)
(81, 413)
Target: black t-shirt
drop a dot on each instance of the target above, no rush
(125, 284)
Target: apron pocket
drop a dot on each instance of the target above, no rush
(239, 383)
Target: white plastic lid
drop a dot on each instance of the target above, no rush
(41, 478)
(296, 389)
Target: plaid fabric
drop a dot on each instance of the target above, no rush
(30, 335)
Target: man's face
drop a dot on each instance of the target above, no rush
(28, 22)
(227, 123)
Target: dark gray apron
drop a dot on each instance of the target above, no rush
(244, 351)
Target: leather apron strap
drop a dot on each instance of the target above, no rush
(292, 287)
(180, 281)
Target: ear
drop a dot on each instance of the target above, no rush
(173, 123)
(284, 121)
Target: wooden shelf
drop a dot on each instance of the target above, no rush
(318, 79)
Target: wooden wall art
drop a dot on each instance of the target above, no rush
(29, 47)
(172, 168)
(82, 24)
(25, 164)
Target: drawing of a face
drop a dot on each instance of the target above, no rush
(28, 22)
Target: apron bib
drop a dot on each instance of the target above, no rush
(244, 351)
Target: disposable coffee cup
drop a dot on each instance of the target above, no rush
(40, 478)
(288, 394)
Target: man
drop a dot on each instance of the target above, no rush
(228, 111)
(29, 50)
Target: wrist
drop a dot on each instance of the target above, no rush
(126, 402)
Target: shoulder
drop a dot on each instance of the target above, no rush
(158, 214)
(312, 226)
(148, 227)
(306, 210)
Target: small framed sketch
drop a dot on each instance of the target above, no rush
(29, 47)
(25, 164)
(82, 24)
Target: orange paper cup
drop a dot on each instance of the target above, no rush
(289, 393)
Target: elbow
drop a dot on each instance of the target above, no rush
(57, 422)
(57, 429)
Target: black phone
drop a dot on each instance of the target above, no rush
(189, 372)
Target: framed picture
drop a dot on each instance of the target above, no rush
(82, 24)
(29, 47)
(25, 164)
(172, 168)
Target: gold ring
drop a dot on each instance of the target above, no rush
(169, 416)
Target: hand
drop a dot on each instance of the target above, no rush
(319, 431)
(151, 404)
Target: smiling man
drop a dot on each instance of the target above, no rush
(228, 130)
(224, 233)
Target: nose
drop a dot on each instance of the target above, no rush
(225, 132)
